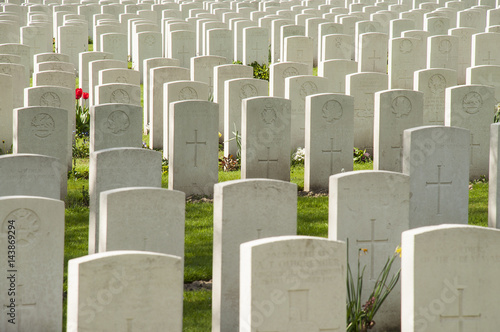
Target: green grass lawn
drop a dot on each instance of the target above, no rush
(312, 215)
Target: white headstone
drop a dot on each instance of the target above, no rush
(472, 107)
(193, 146)
(463, 263)
(115, 125)
(294, 283)
(145, 219)
(33, 261)
(244, 210)
(329, 138)
(370, 209)
(437, 160)
(395, 111)
(433, 84)
(118, 168)
(115, 282)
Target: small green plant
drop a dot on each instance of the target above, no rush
(236, 137)
(360, 314)
(4, 150)
(298, 157)
(496, 118)
(361, 156)
(260, 71)
(164, 166)
(80, 147)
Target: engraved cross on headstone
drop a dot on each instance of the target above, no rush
(267, 161)
(399, 146)
(196, 143)
(472, 146)
(183, 51)
(489, 59)
(331, 152)
(461, 317)
(372, 241)
(439, 183)
(374, 60)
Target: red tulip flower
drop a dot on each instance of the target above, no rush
(85, 95)
(78, 93)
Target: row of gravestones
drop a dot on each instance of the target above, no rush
(272, 282)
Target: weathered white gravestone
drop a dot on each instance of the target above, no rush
(255, 45)
(279, 71)
(193, 146)
(329, 138)
(395, 111)
(235, 91)
(484, 49)
(485, 75)
(372, 56)
(202, 69)
(464, 50)
(437, 160)
(433, 83)
(119, 75)
(336, 72)
(142, 218)
(117, 93)
(44, 131)
(179, 91)
(146, 45)
(266, 138)
(472, 107)
(157, 78)
(115, 44)
(464, 263)
(54, 77)
(299, 49)
(221, 74)
(16, 72)
(442, 52)
(244, 210)
(84, 58)
(292, 283)
(33, 259)
(119, 284)
(94, 68)
(118, 168)
(362, 86)
(406, 55)
(370, 209)
(115, 126)
(30, 175)
(148, 65)
(297, 88)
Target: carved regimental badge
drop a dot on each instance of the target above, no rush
(406, 46)
(247, 91)
(50, 99)
(42, 125)
(308, 88)
(117, 122)
(120, 96)
(437, 84)
(332, 110)
(290, 71)
(188, 93)
(472, 102)
(445, 46)
(27, 225)
(269, 114)
(401, 106)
